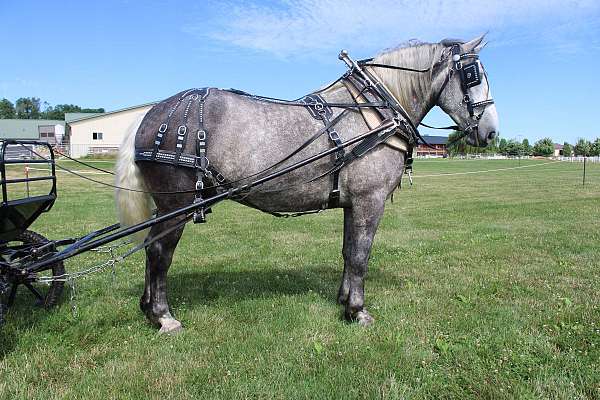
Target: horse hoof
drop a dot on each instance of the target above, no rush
(170, 326)
(364, 319)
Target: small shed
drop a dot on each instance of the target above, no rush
(46, 130)
(558, 150)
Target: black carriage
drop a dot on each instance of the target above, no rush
(21, 206)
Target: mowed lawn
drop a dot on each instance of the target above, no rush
(482, 286)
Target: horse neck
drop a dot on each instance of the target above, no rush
(413, 90)
(417, 103)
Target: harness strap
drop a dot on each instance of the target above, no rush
(202, 162)
(182, 131)
(319, 109)
(373, 118)
(163, 128)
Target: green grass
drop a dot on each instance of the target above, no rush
(482, 286)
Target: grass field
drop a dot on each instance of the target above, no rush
(482, 286)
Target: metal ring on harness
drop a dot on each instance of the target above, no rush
(203, 162)
(203, 133)
(163, 128)
(181, 131)
(199, 185)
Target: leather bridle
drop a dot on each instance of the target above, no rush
(470, 74)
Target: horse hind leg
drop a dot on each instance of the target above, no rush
(159, 255)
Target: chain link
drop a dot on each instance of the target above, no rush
(71, 279)
(110, 263)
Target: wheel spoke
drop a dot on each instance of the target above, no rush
(35, 292)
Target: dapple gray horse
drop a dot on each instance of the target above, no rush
(246, 135)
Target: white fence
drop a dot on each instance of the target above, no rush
(595, 159)
(91, 149)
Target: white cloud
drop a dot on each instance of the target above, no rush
(289, 28)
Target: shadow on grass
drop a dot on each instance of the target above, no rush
(213, 284)
(205, 287)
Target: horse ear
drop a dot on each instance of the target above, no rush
(475, 45)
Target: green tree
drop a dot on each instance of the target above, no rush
(513, 148)
(543, 147)
(28, 108)
(7, 109)
(455, 145)
(492, 146)
(567, 150)
(502, 146)
(595, 148)
(525, 147)
(583, 148)
(58, 111)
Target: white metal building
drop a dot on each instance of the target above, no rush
(100, 133)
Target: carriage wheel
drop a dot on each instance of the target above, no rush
(46, 296)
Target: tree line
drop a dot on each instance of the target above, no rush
(511, 147)
(34, 108)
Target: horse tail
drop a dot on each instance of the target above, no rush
(134, 205)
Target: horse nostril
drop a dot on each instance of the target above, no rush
(491, 135)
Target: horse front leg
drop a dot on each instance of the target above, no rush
(365, 218)
(159, 256)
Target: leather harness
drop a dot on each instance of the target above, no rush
(375, 102)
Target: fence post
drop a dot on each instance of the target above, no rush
(27, 177)
(584, 162)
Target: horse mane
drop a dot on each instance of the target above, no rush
(407, 86)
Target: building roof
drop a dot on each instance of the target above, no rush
(436, 139)
(87, 116)
(558, 146)
(69, 117)
(24, 128)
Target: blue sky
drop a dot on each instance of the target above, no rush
(543, 56)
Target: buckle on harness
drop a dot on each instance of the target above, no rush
(334, 136)
(199, 185)
(201, 135)
(182, 130)
(163, 128)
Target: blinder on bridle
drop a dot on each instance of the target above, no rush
(469, 70)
